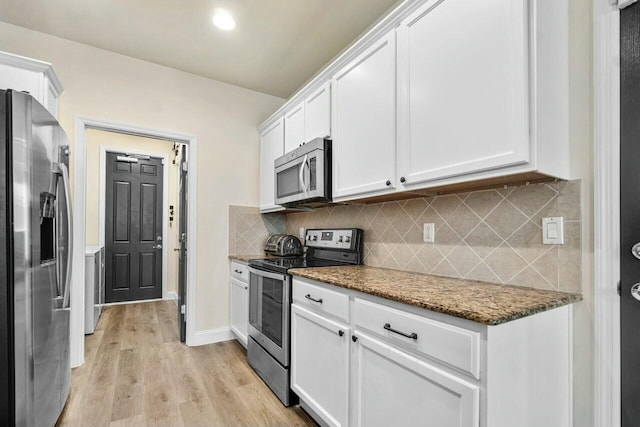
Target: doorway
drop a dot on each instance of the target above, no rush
(83, 214)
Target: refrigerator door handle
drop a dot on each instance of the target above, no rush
(61, 169)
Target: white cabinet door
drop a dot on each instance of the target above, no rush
(271, 147)
(364, 122)
(320, 364)
(392, 388)
(239, 309)
(294, 134)
(463, 89)
(317, 113)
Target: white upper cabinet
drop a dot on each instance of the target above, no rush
(308, 119)
(317, 113)
(364, 122)
(442, 93)
(271, 147)
(462, 73)
(483, 91)
(294, 127)
(29, 75)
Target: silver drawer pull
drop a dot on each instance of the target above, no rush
(308, 296)
(412, 335)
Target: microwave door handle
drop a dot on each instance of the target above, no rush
(301, 175)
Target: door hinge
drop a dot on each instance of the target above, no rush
(183, 309)
(619, 289)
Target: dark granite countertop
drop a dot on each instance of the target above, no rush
(482, 302)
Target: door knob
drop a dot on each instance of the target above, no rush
(635, 250)
(635, 291)
(157, 247)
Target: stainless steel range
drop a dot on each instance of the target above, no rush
(270, 301)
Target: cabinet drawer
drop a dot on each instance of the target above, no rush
(321, 299)
(451, 345)
(239, 271)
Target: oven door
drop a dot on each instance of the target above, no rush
(269, 312)
(300, 179)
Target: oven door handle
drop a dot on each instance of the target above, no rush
(268, 274)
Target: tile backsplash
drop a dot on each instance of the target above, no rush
(490, 235)
(248, 230)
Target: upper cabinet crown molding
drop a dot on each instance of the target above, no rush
(32, 65)
(30, 75)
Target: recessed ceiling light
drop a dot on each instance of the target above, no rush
(223, 20)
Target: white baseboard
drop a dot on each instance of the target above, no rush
(211, 336)
(140, 301)
(172, 296)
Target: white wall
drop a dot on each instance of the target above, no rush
(108, 86)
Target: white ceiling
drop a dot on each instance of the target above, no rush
(276, 47)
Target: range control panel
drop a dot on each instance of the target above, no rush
(342, 238)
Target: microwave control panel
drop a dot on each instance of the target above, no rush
(333, 239)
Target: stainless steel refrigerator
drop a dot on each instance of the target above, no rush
(35, 263)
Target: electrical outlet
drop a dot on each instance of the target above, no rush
(301, 232)
(429, 232)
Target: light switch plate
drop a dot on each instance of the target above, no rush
(429, 232)
(553, 230)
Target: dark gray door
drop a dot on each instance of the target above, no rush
(629, 212)
(182, 279)
(133, 235)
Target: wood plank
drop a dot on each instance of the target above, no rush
(129, 392)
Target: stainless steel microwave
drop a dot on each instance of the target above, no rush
(303, 176)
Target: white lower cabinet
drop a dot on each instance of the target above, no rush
(320, 364)
(239, 302)
(239, 309)
(400, 365)
(391, 387)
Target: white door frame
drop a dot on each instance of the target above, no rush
(102, 213)
(79, 155)
(606, 18)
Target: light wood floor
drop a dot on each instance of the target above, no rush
(137, 373)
